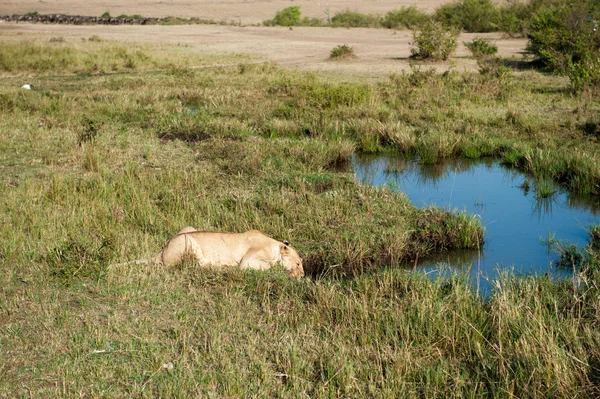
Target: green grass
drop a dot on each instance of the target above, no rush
(103, 168)
(523, 117)
(95, 56)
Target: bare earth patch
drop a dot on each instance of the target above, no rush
(379, 51)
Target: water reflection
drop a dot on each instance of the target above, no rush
(514, 215)
(370, 169)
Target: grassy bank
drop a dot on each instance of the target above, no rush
(393, 334)
(103, 167)
(531, 120)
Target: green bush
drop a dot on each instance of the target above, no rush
(566, 39)
(469, 15)
(481, 47)
(515, 17)
(349, 19)
(434, 41)
(289, 16)
(341, 51)
(405, 17)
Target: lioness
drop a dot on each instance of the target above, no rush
(250, 250)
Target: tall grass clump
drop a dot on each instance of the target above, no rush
(342, 51)
(434, 41)
(79, 257)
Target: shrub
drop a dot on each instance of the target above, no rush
(341, 51)
(405, 17)
(289, 16)
(566, 39)
(106, 15)
(481, 47)
(434, 41)
(514, 18)
(349, 19)
(470, 15)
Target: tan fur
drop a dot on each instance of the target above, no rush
(250, 250)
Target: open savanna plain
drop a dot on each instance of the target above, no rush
(120, 144)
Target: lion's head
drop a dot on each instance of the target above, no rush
(291, 261)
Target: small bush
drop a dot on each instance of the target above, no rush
(341, 51)
(106, 15)
(289, 16)
(481, 47)
(405, 17)
(470, 15)
(434, 42)
(349, 19)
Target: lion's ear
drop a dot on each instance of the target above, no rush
(286, 242)
(284, 248)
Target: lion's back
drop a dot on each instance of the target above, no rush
(228, 248)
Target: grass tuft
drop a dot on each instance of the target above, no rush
(343, 51)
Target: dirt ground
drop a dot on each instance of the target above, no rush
(379, 51)
(244, 11)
